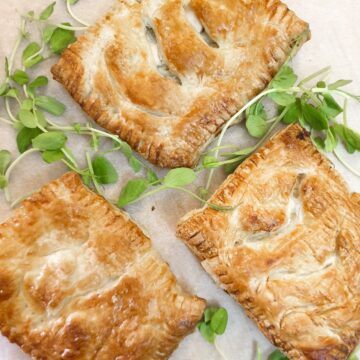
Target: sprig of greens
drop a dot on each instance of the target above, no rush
(213, 324)
(314, 107)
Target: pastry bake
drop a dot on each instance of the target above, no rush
(289, 251)
(167, 75)
(79, 280)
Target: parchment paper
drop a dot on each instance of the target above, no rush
(335, 41)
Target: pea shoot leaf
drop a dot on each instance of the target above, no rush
(72, 2)
(3, 89)
(282, 98)
(330, 107)
(350, 137)
(219, 320)
(54, 140)
(314, 117)
(61, 39)
(28, 58)
(214, 323)
(3, 182)
(27, 104)
(12, 92)
(338, 84)
(48, 33)
(132, 191)
(135, 164)
(284, 79)
(24, 138)
(293, 113)
(39, 82)
(277, 355)
(331, 141)
(151, 176)
(20, 77)
(5, 160)
(104, 171)
(27, 118)
(48, 11)
(206, 332)
(179, 177)
(256, 126)
(210, 162)
(50, 104)
(50, 156)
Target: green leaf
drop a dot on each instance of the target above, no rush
(258, 353)
(40, 118)
(135, 164)
(209, 313)
(243, 152)
(61, 39)
(151, 176)
(27, 104)
(284, 79)
(72, 2)
(3, 182)
(24, 138)
(282, 98)
(27, 118)
(104, 171)
(348, 135)
(330, 107)
(219, 321)
(314, 117)
(277, 355)
(77, 128)
(13, 93)
(47, 12)
(20, 77)
(230, 168)
(132, 191)
(126, 149)
(257, 109)
(7, 70)
(338, 84)
(48, 33)
(51, 156)
(27, 57)
(206, 332)
(50, 104)
(318, 142)
(3, 89)
(256, 126)
(50, 141)
(39, 82)
(293, 113)
(210, 162)
(5, 160)
(179, 177)
(331, 141)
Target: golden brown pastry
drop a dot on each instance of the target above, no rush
(289, 252)
(79, 280)
(167, 75)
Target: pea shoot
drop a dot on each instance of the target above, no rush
(213, 324)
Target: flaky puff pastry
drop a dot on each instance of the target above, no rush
(166, 75)
(289, 252)
(79, 280)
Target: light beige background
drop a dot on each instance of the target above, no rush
(335, 41)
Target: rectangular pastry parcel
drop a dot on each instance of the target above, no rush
(79, 280)
(167, 75)
(289, 251)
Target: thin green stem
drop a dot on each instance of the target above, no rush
(93, 177)
(69, 9)
(315, 75)
(6, 121)
(345, 111)
(149, 193)
(218, 349)
(346, 164)
(12, 167)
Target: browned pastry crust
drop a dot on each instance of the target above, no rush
(79, 280)
(289, 253)
(112, 72)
